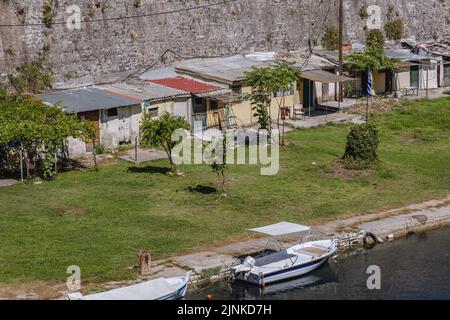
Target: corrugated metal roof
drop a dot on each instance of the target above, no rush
(325, 76)
(404, 55)
(144, 91)
(188, 85)
(435, 48)
(160, 73)
(307, 61)
(213, 94)
(226, 70)
(86, 99)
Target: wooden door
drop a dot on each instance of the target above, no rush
(93, 117)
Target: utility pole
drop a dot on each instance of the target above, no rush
(341, 55)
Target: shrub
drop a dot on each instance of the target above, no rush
(394, 29)
(100, 149)
(375, 39)
(48, 14)
(32, 76)
(362, 146)
(363, 12)
(330, 40)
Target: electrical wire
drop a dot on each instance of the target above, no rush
(311, 49)
(224, 2)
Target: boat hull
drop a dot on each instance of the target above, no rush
(181, 290)
(285, 274)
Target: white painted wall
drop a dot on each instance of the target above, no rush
(123, 128)
(432, 77)
(76, 148)
(402, 79)
(181, 109)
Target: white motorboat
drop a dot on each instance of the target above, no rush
(287, 263)
(159, 289)
(322, 276)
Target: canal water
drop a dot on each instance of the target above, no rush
(417, 267)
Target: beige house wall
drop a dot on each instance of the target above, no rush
(379, 82)
(244, 114)
(403, 79)
(163, 107)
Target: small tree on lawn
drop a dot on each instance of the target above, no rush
(361, 151)
(259, 79)
(283, 75)
(217, 159)
(158, 133)
(264, 83)
(371, 59)
(90, 134)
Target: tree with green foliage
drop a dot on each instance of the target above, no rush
(158, 133)
(37, 131)
(361, 151)
(217, 159)
(330, 40)
(394, 29)
(284, 75)
(259, 79)
(264, 83)
(375, 39)
(369, 59)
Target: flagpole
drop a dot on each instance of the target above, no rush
(367, 110)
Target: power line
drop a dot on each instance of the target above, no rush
(311, 48)
(224, 2)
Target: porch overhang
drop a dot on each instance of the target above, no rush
(225, 95)
(325, 77)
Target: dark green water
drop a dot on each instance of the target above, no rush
(417, 267)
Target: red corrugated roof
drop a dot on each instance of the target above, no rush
(188, 85)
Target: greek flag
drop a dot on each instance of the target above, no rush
(369, 83)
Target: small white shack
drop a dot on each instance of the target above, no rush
(114, 117)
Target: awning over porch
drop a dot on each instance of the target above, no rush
(325, 76)
(225, 95)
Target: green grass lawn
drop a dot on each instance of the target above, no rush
(100, 220)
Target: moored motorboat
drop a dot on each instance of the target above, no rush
(287, 263)
(322, 276)
(158, 289)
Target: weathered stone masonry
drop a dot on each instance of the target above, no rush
(122, 45)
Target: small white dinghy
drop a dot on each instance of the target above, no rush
(286, 263)
(159, 289)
